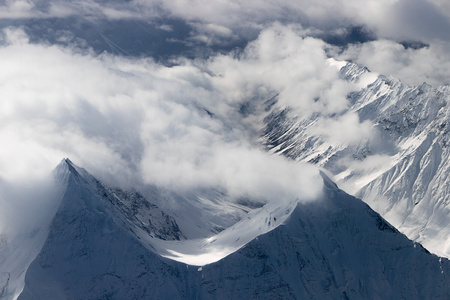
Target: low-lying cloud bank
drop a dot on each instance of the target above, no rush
(383, 27)
(422, 20)
(132, 121)
(136, 120)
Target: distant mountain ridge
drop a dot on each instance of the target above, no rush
(402, 172)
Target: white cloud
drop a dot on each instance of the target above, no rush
(127, 117)
(218, 29)
(17, 9)
(423, 20)
(399, 19)
(413, 66)
(219, 23)
(283, 61)
(129, 120)
(344, 130)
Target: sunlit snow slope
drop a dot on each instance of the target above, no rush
(334, 247)
(400, 169)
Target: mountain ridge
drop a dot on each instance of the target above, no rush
(334, 247)
(400, 170)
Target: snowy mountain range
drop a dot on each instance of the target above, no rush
(150, 242)
(227, 149)
(106, 243)
(401, 170)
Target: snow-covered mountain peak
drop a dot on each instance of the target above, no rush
(66, 169)
(399, 162)
(83, 192)
(335, 247)
(328, 183)
(70, 165)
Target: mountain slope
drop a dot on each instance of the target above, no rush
(400, 170)
(91, 249)
(335, 247)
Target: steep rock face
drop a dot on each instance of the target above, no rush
(334, 248)
(147, 216)
(401, 170)
(134, 210)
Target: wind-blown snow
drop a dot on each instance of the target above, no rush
(200, 252)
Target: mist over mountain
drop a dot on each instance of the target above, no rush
(334, 247)
(211, 134)
(399, 168)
